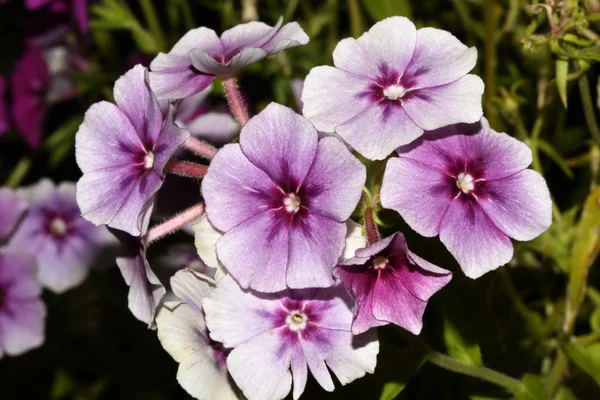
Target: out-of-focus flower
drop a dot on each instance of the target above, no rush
(470, 185)
(391, 84)
(30, 83)
(269, 334)
(4, 118)
(282, 197)
(182, 332)
(12, 207)
(184, 256)
(390, 284)
(200, 55)
(64, 245)
(77, 9)
(22, 312)
(122, 151)
(297, 87)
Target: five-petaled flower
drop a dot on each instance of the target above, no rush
(122, 151)
(391, 84)
(200, 55)
(470, 185)
(269, 334)
(282, 197)
(390, 284)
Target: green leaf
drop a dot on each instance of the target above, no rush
(533, 389)
(395, 374)
(380, 9)
(557, 158)
(586, 358)
(562, 71)
(459, 343)
(565, 393)
(62, 386)
(583, 253)
(62, 142)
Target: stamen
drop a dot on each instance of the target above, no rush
(380, 263)
(291, 203)
(58, 226)
(465, 182)
(394, 92)
(149, 160)
(296, 320)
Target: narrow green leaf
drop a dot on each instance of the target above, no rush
(562, 71)
(533, 389)
(380, 9)
(586, 358)
(395, 374)
(557, 158)
(565, 393)
(459, 343)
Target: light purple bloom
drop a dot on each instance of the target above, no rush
(145, 289)
(4, 118)
(269, 334)
(200, 55)
(22, 312)
(30, 83)
(282, 197)
(391, 84)
(122, 150)
(64, 245)
(470, 185)
(390, 284)
(12, 208)
(182, 332)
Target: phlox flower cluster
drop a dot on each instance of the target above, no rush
(286, 282)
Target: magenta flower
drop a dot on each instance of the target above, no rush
(390, 284)
(22, 312)
(269, 334)
(282, 197)
(200, 55)
(470, 185)
(30, 83)
(78, 10)
(64, 245)
(122, 151)
(4, 118)
(183, 334)
(391, 84)
(12, 208)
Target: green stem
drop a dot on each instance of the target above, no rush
(556, 373)
(153, 23)
(357, 26)
(19, 172)
(483, 373)
(588, 108)
(489, 20)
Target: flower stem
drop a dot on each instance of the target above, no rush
(186, 169)
(486, 374)
(174, 224)
(490, 20)
(199, 147)
(588, 108)
(237, 105)
(371, 226)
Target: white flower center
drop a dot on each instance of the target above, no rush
(291, 203)
(296, 320)
(465, 182)
(149, 160)
(394, 92)
(58, 226)
(380, 263)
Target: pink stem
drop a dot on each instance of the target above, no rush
(174, 224)
(371, 227)
(186, 168)
(199, 147)
(237, 105)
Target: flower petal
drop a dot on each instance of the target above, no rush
(354, 356)
(181, 330)
(206, 238)
(179, 81)
(202, 379)
(251, 34)
(290, 35)
(216, 127)
(22, 328)
(191, 287)
(12, 208)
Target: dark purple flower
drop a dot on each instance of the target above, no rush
(12, 208)
(297, 330)
(30, 83)
(282, 197)
(64, 245)
(122, 151)
(200, 55)
(183, 334)
(22, 312)
(391, 84)
(4, 118)
(390, 284)
(78, 10)
(470, 185)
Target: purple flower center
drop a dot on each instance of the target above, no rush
(291, 203)
(149, 160)
(219, 353)
(296, 320)
(380, 263)
(58, 226)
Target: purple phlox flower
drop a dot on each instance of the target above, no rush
(184, 256)
(282, 197)
(4, 118)
(122, 150)
(390, 284)
(183, 333)
(470, 185)
(200, 55)
(391, 84)
(145, 289)
(204, 121)
(22, 312)
(297, 330)
(64, 245)
(30, 83)
(78, 10)
(12, 207)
